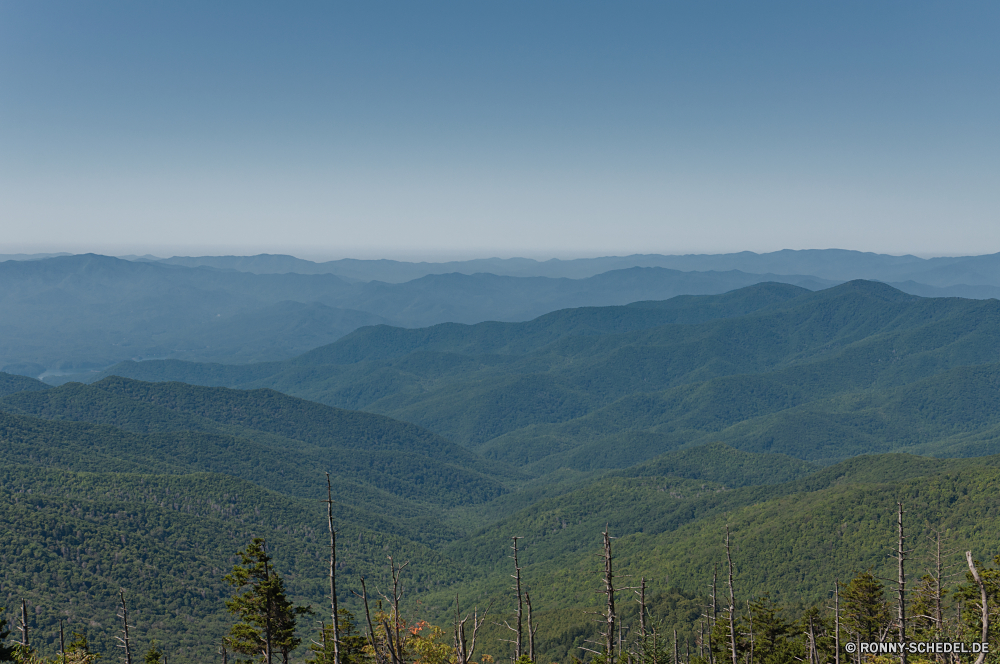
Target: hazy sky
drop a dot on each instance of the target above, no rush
(467, 128)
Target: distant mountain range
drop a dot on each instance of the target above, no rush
(826, 264)
(70, 314)
(859, 368)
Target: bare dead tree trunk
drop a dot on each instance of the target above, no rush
(642, 608)
(333, 572)
(268, 637)
(396, 594)
(379, 658)
(22, 626)
(621, 638)
(715, 611)
(675, 647)
(750, 616)
(609, 589)
(901, 583)
(464, 650)
(732, 601)
(517, 629)
(531, 628)
(124, 638)
(982, 598)
(938, 614)
(701, 639)
(394, 635)
(836, 621)
(62, 641)
(813, 655)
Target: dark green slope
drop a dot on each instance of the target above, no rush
(84, 403)
(265, 416)
(296, 419)
(722, 464)
(931, 415)
(388, 479)
(11, 384)
(954, 413)
(69, 541)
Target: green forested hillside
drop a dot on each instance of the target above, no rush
(394, 468)
(71, 540)
(791, 541)
(11, 384)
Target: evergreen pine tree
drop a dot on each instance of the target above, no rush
(866, 612)
(267, 618)
(154, 655)
(78, 651)
(6, 652)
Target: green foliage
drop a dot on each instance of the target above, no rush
(267, 618)
(380, 459)
(12, 384)
(866, 612)
(352, 644)
(69, 541)
(80, 647)
(6, 651)
(153, 655)
(719, 463)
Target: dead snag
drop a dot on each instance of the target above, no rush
(464, 649)
(609, 589)
(901, 583)
(123, 640)
(333, 572)
(984, 605)
(517, 628)
(532, 628)
(732, 602)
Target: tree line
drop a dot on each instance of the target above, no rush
(731, 629)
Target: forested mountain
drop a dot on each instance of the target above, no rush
(774, 410)
(815, 375)
(74, 538)
(279, 442)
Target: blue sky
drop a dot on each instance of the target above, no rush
(445, 129)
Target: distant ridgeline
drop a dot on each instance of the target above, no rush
(797, 419)
(70, 315)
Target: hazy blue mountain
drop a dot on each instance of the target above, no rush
(70, 314)
(30, 257)
(828, 264)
